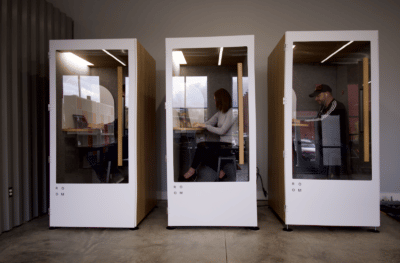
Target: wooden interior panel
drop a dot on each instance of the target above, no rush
(120, 115)
(209, 56)
(146, 133)
(276, 174)
(317, 51)
(240, 109)
(100, 59)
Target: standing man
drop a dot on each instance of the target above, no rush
(332, 139)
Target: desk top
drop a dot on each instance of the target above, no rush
(297, 123)
(80, 130)
(188, 129)
(86, 131)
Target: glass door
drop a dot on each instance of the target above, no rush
(331, 110)
(92, 144)
(211, 129)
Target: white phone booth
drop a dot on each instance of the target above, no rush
(211, 125)
(102, 115)
(323, 92)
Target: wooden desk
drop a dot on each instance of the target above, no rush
(86, 131)
(91, 137)
(188, 129)
(297, 123)
(300, 124)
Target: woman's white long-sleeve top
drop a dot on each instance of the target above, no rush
(223, 125)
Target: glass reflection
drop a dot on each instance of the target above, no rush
(87, 117)
(206, 115)
(331, 138)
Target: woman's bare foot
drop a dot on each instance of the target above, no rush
(189, 173)
(221, 174)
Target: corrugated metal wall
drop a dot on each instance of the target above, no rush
(26, 27)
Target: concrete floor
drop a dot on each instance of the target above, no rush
(34, 242)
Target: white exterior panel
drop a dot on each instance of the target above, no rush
(212, 203)
(333, 202)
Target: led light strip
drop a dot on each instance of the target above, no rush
(336, 51)
(178, 57)
(221, 49)
(108, 53)
(77, 59)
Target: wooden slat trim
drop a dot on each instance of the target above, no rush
(366, 108)
(240, 109)
(120, 115)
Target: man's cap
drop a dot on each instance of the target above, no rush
(320, 88)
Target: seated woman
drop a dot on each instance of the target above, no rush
(221, 123)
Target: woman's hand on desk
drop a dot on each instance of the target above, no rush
(199, 125)
(96, 126)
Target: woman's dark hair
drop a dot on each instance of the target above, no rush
(223, 100)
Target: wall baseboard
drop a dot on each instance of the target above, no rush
(162, 195)
(390, 197)
(260, 196)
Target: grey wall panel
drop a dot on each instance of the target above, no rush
(33, 88)
(42, 105)
(5, 81)
(7, 209)
(25, 107)
(63, 22)
(1, 115)
(16, 112)
(40, 83)
(70, 28)
(1, 143)
(50, 21)
(57, 18)
(25, 29)
(49, 36)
